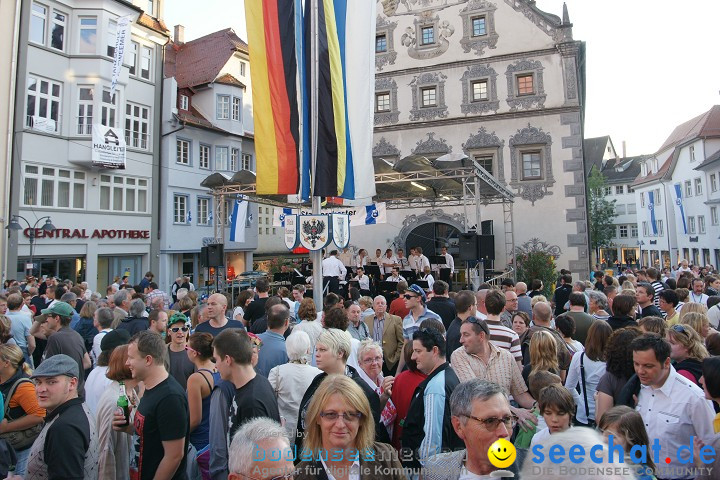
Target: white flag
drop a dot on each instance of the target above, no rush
(237, 224)
(121, 39)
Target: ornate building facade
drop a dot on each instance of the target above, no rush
(502, 82)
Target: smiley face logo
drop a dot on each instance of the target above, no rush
(502, 453)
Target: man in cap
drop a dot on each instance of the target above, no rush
(61, 339)
(67, 445)
(415, 302)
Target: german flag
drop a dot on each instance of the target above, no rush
(275, 38)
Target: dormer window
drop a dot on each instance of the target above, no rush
(643, 169)
(184, 102)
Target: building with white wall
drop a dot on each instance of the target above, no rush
(207, 128)
(685, 163)
(104, 218)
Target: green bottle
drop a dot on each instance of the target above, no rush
(124, 403)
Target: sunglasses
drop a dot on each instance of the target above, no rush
(679, 328)
(408, 297)
(480, 323)
(177, 329)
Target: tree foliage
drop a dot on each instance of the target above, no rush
(601, 211)
(537, 264)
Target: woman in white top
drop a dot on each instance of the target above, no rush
(565, 326)
(307, 315)
(291, 380)
(370, 360)
(591, 364)
(242, 301)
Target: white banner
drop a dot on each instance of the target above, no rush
(108, 147)
(367, 215)
(340, 229)
(121, 39)
(292, 239)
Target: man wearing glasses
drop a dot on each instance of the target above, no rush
(480, 416)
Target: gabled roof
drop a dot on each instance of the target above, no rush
(228, 79)
(710, 161)
(200, 61)
(702, 126)
(594, 149)
(663, 172)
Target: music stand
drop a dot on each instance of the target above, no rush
(373, 270)
(422, 284)
(438, 260)
(408, 275)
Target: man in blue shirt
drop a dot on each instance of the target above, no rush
(273, 351)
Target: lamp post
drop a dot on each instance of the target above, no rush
(15, 225)
(640, 244)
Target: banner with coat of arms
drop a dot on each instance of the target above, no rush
(341, 230)
(314, 231)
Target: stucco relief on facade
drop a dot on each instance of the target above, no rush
(483, 140)
(525, 101)
(387, 85)
(387, 28)
(440, 109)
(531, 138)
(432, 146)
(473, 74)
(478, 9)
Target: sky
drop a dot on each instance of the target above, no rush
(651, 64)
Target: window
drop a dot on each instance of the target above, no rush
(180, 211)
(623, 231)
(692, 153)
(382, 102)
(525, 85)
(658, 198)
(203, 211)
(691, 225)
(698, 186)
(607, 191)
(131, 57)
(43, 104)
(713, 215)
(183, 152)
(620, 208)
(111, 38)
(429, 97)
(137, 125)
(38, 21)
(88, 35)
(619, 189)
(630, 189)
(643, 169)
(242, 69)
(108, 112)
(531, 165)
(660, 228)
(57, 34)
(631, 208)
(237, 109)
(642, 199)
(380, 43)
(234, 159)
(246, 161)
(701, 224)
(223, 107)
(478, 27)
(204, 160)
(221, 158)
(713, 183)
(688, 188)
(145, 61)
(123, 194)
(150, 8)
(645, 229)
(485, 161)
(428, 35)
(480, 90)
(85, 110)
(184, 102)
(53, 187)
(633, 231)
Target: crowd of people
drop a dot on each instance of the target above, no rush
(143, 384)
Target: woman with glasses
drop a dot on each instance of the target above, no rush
(687, 351)
(199, 387)
(181, 367)
(340, 440)
(370, 358)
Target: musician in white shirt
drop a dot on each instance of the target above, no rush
(421, 261)
(412, 259)
(362, 279)
(389, 261)
(403, 262)
(346, 257)
(378, 258)
(395, 276)
(333, 271)
(449, 261)
(362, 258)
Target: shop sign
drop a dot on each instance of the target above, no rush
(85, 233)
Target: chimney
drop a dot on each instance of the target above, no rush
(624, 149)
(179, 36)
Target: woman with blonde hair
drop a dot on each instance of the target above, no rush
(687, 350)
(23, 411)
(543, 356)
(340, 430)
(692, 307)
(698, 321)
(538, 298)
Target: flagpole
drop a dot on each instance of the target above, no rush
(315, 255)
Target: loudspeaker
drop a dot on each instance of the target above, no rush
(486, 227)
(203, 259)
(215, 255)
(486, 247)
(468, 247)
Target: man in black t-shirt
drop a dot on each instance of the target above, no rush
(256, 309)
(162, 421)
(217, 321)
(254, 397)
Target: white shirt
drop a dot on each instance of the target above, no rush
(431, 281)
(449, 262)
(702, 298)
(95, 385)
(673, 413)
(594, 370)
(290, 381)
(388, 263)
(403, 262)
(95, 353)
(361, 262)
(399, 278)
(713, 315)
(364, 282)
(378, 260)
(332, 267)
(421, 261)
(412, 262)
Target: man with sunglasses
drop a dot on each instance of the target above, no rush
(480, 416)
(180, 366)
(415, 302)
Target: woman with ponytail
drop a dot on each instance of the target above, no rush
(22, 411)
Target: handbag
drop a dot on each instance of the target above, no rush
(20, 439)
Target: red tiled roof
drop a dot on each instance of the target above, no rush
(199, 61)
(705, 125)
(193, 117)
(228, 79)
(663, 171)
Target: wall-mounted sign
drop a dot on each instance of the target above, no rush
(83, 233)
(108, 147)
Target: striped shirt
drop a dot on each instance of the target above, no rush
(658, 287)
(503, 337)
(410, 325)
